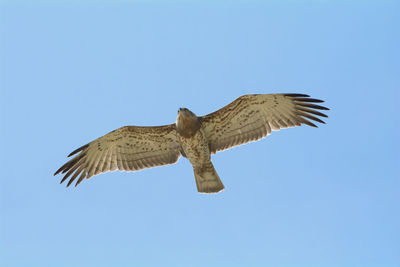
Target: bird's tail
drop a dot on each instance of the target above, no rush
(207, 179)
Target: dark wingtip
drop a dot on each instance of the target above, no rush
(70, 182)
(296, 95)
(63, 179)
(59, 170)
(307, 122)
(311, 100)
(83, 176)
(78, 149)
(318, 120)
(313, 125)
(321, 114)
(308, 105)
(312, 111)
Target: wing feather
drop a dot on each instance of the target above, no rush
(80, 169)
(251, 117)
(100, 163)
(83, 175)
(113, 163)
(311, 117)
(128, 148)
(311, 111)
(93, 164)
(123, 159)
(120, 161)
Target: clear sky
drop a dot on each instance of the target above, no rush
(72, 72)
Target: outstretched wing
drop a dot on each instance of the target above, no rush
(251, 117)
(128, 148)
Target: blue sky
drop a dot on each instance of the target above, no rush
(72, 72)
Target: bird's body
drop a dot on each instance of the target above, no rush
(194, 144)
(248, 118)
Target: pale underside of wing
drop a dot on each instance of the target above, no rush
(251, 117)
(128, 148)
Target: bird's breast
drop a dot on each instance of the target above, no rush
(196, 147)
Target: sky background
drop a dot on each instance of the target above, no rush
(72, 72)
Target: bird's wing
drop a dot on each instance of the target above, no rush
(251, 117)
(128, 148)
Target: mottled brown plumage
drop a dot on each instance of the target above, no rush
(248, 118)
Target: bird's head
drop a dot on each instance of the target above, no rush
(186, 119)
(185, 112)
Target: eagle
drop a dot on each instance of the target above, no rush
(246, 119)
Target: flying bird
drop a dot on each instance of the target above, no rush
(248, 118)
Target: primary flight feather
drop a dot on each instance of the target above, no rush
(248, 118)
